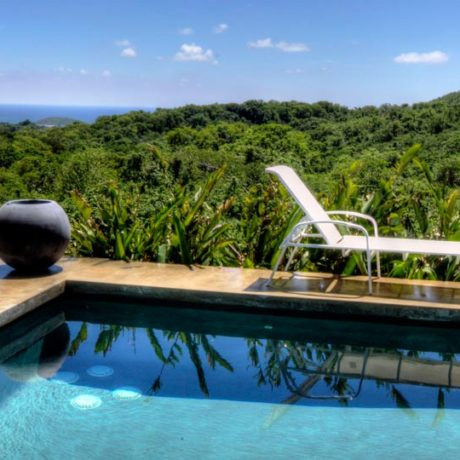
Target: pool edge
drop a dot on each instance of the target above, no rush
(223, 287)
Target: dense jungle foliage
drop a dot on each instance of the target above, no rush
(188, 184)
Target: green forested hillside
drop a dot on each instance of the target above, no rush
(139, 176)
(450, 98)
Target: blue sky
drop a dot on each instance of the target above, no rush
(149, 53)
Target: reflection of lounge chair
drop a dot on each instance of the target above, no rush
(329, 237)
(398, 368)
(391, 368)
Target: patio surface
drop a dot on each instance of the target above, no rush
(304, 293)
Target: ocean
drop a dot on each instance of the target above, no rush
(16, 113)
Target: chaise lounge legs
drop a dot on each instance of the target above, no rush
(277, 264)
(294, 251)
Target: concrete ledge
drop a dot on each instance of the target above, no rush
(305, 293)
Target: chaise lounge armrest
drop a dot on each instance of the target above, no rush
(358, 215)
(306, 223)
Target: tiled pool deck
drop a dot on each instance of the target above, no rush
(227, 287)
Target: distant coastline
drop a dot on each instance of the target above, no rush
(15, 113)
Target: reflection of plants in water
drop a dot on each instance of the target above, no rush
(401, 401)
(440, 406)
(79, 339)
(305, 369)
(104, 342)
(106, 339)
(194, 344)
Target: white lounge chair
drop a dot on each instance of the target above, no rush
(329, 236)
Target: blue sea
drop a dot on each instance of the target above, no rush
(17, 113)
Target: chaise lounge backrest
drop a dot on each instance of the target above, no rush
(307, 201)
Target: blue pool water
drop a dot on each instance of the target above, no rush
(95, 379)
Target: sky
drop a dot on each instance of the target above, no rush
(149, 53)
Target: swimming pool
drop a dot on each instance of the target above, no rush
(88, 378)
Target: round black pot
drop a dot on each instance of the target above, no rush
(33, 234)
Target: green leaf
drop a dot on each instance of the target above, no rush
(179, 227)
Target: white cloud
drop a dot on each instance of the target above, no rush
(284, 46)
(123, 43)
(221, 28)
(186, 31)
(83, 72)
(106, 73)
(129, 52)
(433, 57)
(261, 43)
(192, 52)
(292, 47)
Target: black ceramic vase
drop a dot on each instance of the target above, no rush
(33, 234)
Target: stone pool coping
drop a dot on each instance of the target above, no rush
(221, 287)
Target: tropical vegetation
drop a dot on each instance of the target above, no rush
(188, 184)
